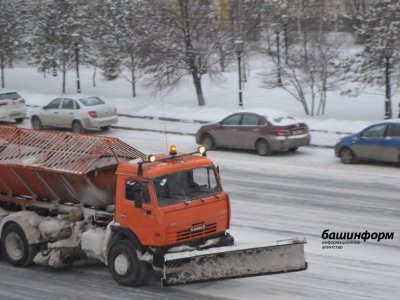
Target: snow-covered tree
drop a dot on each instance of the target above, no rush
(12, 32)
(379, 29)
(52, 44)
(124, 34)
(313, 65)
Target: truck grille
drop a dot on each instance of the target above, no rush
(196, 231)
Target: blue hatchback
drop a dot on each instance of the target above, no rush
(378, 142)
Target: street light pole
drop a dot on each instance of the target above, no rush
(239, 51)
(387, 53)
(285, 22)
(76, 40)
(277, 29)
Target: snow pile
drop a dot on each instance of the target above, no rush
(92, 243)
(54, 229)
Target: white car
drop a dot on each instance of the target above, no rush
(78, 112)
(12, 106)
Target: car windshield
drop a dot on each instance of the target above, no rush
(9, 96)
(186, 185)
(91, 101)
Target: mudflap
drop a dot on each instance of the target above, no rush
(233, 262)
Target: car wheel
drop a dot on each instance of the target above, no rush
(208, 142)
(293, 149)
(36, 123)
(125, 266)
(347, 156)
(19, 120)
(105, 128)
(16, 247)
(263, 148)
(77, 127)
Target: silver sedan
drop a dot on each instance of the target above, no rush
(77, 112)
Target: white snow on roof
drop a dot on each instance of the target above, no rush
(275, 116)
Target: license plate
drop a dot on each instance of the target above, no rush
(300, 131)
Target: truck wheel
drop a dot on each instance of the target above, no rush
(125, 266)
(15, 246)
(77, 127)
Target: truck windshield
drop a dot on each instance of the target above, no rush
(186, 185)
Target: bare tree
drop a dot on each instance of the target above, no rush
(189, 42)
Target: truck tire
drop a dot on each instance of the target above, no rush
(125, 266)
(15, 246)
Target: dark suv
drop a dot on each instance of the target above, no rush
(255, 131)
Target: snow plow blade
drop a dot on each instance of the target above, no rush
(233, 262)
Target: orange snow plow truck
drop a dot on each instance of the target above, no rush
(67, 198)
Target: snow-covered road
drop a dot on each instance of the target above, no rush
(283, 196)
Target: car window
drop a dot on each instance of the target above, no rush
(67, 104)
(54, 104)
(77, 106)
(375, 131)
(250, 120)
(232, 120)
(91, 101)
(393, 131)
(10, 96)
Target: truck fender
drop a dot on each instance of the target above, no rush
(115, 233)
(28, 221)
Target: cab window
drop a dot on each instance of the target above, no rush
(134, 190)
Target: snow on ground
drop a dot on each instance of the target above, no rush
(282, 196)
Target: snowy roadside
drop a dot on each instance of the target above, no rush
(319, 138)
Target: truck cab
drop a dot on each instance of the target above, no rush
(171, 200)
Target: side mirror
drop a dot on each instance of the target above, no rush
(139, 202)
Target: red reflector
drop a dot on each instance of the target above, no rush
(282, 132)
(93, 113)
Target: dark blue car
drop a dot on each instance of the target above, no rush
(378, 142)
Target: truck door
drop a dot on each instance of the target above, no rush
(140, 220)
